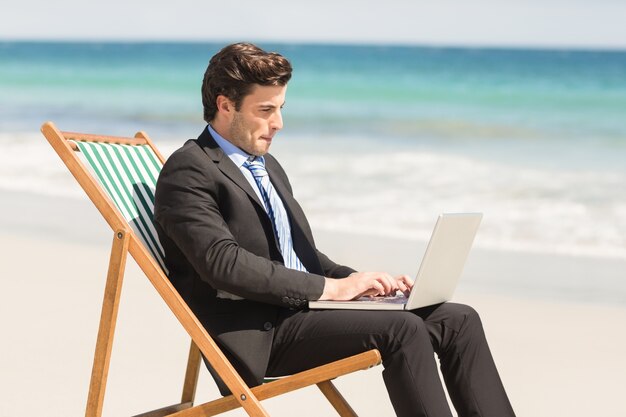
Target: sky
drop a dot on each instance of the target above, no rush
(534, 23)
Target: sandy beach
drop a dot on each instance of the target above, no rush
(557, 357)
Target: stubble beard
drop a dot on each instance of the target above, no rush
(241, 136)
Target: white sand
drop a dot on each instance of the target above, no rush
(556, 358)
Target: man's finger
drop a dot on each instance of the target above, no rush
(407, 280)
(384, 282)
(380, 289)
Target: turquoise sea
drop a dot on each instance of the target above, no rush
(388, 135)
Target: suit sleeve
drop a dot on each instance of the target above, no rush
(187, 212)
(332, 269)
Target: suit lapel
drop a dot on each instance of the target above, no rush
(228, 168)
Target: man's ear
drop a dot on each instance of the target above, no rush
(224, 105)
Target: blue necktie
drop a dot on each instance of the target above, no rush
(276, 212)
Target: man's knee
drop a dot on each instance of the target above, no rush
(405, 328)
(467, 323)
(462, 314)
(405, 337)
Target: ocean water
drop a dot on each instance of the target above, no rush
(377, 139)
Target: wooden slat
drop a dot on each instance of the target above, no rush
(336, 399)
(191, 374)
(144, 136)
(325, 372)
(108, 317)
(322, 373)
(165, 411)
(105, 139)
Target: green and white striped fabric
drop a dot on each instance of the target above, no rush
(128, 174)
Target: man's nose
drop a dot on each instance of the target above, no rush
(276, 121)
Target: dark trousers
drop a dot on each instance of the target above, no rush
(407, 342)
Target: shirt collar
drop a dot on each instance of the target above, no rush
(237, 155)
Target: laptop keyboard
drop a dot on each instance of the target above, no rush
(389, 299)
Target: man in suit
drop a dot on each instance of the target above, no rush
(241, 253)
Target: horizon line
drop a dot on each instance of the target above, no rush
(311, 42)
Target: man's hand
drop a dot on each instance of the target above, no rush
(361, 284)
(405, 284)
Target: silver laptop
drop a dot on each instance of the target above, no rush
(438, 273)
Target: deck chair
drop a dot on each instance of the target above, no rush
(119, 175)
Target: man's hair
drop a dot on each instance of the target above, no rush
(234, 70)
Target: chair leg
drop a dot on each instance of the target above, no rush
(191, 375)
(336, 399)
(108, 317)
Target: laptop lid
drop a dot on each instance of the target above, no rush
(444, 259)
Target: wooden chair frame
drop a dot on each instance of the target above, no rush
(126, 241)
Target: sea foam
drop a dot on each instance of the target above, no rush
(399, 193)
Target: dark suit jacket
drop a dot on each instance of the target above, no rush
(217, 235)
